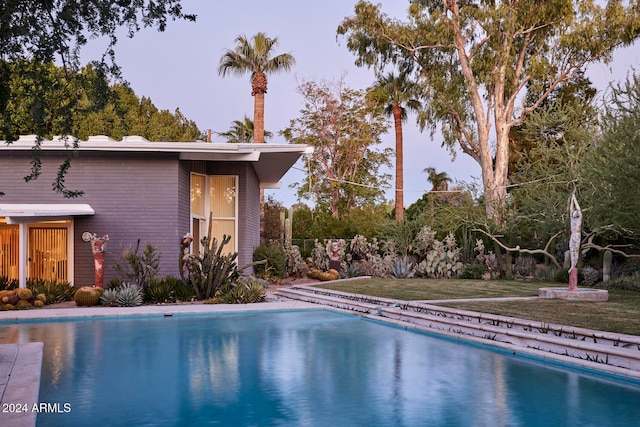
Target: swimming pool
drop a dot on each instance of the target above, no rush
(302, 368)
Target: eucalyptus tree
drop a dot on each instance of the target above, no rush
(241, 131)
(45, 31)
(478, 60)
(254, 57)
(397, 93)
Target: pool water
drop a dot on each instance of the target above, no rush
(303, 368)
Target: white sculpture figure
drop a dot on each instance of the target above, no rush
(576, 232)
(574, 242)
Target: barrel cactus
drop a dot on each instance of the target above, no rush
(88, 296)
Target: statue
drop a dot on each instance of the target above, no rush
(98, 246)
(334, 256)
(185, 245)
(574, 241)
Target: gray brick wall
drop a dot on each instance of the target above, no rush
(135, 196)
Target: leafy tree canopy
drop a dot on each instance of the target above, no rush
(478, 61)
(613, 165)
(343, 125)
(35, 33)
(84, 104)
(52, 29)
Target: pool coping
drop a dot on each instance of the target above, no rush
(20, 370)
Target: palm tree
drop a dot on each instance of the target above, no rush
(439, 181)
(397, 93)
(241, 131)
(254, 56)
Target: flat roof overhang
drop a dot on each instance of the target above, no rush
(270, 161)
(22, 213)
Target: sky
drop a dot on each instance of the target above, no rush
(178, 69)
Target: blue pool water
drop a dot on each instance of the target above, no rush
(307, 368)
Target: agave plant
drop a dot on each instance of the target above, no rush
(402, 268)
(129, 295)
(109, 297)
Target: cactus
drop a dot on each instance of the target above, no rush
(88, 296)
(129, 295)
(441, 259)
(294, 264)
(24, 294)
(209, 271)
(23, 305)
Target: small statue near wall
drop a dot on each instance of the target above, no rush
(98, 246)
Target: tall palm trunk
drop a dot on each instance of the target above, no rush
(259, 88)
(258, 118)
(397, 118)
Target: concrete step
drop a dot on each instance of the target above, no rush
(618, 351)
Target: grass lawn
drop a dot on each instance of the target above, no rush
(620, 314)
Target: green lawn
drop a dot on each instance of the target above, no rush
(620, 314)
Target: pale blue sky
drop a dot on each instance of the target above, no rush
(178, 69)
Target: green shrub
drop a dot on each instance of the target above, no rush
(561, 276)
(181, 291)
(7, 284)
(524, 266)
(54, 292)
(626, 283)
(244, 290)
(546, 274)
(473, 271)
(274, 255)
(158, 291)
(139, 268)
(590, 276)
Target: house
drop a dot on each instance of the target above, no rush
(134, 189)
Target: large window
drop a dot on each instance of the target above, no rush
(222, 196)
(214, 206)
(9, 238)
(198, 203)
(47, 250)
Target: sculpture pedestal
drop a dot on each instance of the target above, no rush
(573, 280)
(98, 264)
(577, 295)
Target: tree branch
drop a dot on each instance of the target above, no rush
(544, 251)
